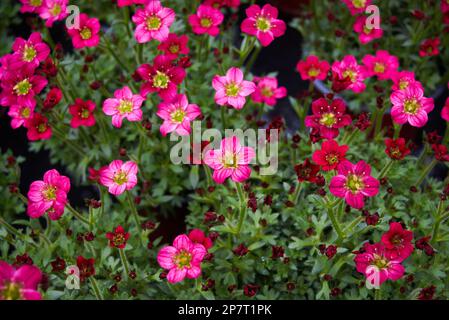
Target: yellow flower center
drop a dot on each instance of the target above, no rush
(126, 106)
(35, 3)
(205, 22)
(267, 92)
(313, 72)
(41, 128)
(153, 23)
(174, 48)
(380, 262)
(411, 106)
(183, 259)
(86, 33)
(379, 67)
(29, 53)
(56, 10)
(161, 80)
(403, 84)
(25, 112)
(354, 183)
(263, 24)
(331, 158)
(359, 3)
(84, 114)
(120, 178)
(119, 239)
(351, 74)
(11, 291)
(232, 89)
(49, 192)
(230, 160)
(22, 88)
(328, 119)
(178, 116)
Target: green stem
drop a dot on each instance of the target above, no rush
(208, 175)
(77, 214)
(386, 168)
(426, 171)
(11, 229)
(115, 56)
(334, 220)
(97, 291)
(223, 117)
(133, 210)
(377, 294)
(124, 261)
(436, 225)
(242, 214)
(297, 193)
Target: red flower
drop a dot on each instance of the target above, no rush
(82, 113)
(118, 238)
(277, 252)
(440, 152)
(398, 242)
(307, 171)
(312, 68)
(427, 293)
(240, 250)
(38, 128)
(340, 83)
(58, 265)
(198, 236)
(331, 251)
(329, 118)
(330, 155)
(86, 267)
(396, 149)
(429, 47)
(54, 96)
(423, 244)
(250, 290)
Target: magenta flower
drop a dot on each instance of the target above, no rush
(366, 35)
(263, 23)
(383, 65)
(48, 195)
(20, 86)
(53, 10)
(410, 105)
(87, 34)
(231, 160)
(162, 77)
(153, 22)
(177, 115)
(183, 259)
(119, 176)
(444, 111)
(32, 51)
(312, 68)
(20, 283)
(206, 20)
(267, 91)
(328, 118)
(82, 113)
(377, 268)
(232, 89)
(402, 79)
(38, 127)
(349, 68)
(357, 6)
(19, 115)
(174, 45)
(123, 3)
(124, 105)
(354, 183)
(32, 6)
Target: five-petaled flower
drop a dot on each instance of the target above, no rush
(19, 284)
(124, 105)
(119, 177)
(82, 113)
(206, 20)
(313, 69)
(153, 22)
(86, 34)
(330, 155)
(118, 238)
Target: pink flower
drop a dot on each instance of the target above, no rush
(177, 115)
(357, 6)
(263, 23)
(444, 111)
(429, 47)
(410, 105)
(183, 259)
(374, 264)
(48, 195)
(174, 45)
(330, 155)
(87, 34)
(349, 68)
(162, 77)
(383, 65)
(123, 3)
(38, 127)
(82, 113)
(20, 86)
(366, 35)
(119, 176)
(32, 51)
(328, 118)
(231, 160)
(53, 10)
(354, 183)
(206, 20)
(232, 89)
(402, 79)
(20, 283)
(267, 91)
(32, 6)
(124, 105)
(397, 242)
(153, 22)
(312, 68)
(19, 115)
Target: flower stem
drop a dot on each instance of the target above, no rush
(377, 294)
(334, 220)
(242, 215)
(97, 291)
(77, 214)
(208, 175)
(436, 225)
(426, 171)
(386, 168)
(297, 193)
(124, 261)
(133, 210)
(223, 117)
